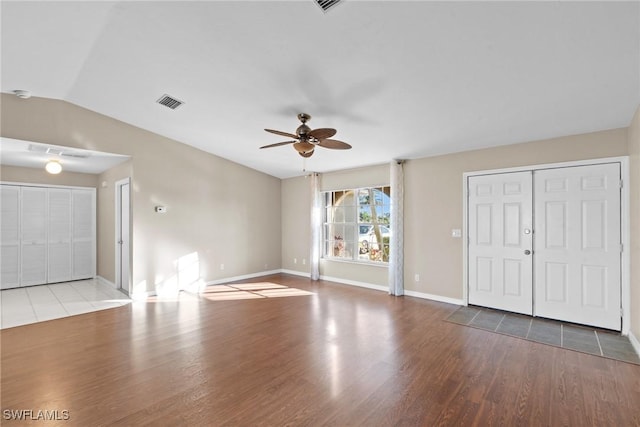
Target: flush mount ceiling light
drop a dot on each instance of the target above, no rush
(23, 94)
(53, 167)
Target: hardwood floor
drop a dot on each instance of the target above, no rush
(342, 356)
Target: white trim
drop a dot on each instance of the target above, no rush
(295, 273)
(625, 293)
(242, 277)
(106, 282)
(118, 218)
(31, 184)
(355, 283)
(634, 342)
(432, 297)
(354, 262)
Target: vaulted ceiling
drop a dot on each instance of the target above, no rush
(396, 79)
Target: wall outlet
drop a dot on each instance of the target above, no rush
(456, 232)
(416, 278)
(221, 266)
(295, 260)
(304, 261)
(266, 266)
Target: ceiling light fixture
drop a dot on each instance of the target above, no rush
(53, 167)
(23, 94)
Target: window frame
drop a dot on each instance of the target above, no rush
(343, 218)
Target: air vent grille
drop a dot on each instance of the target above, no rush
(169, 101)
(327, 4)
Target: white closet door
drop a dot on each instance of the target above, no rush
(34, 236)
(500, 241)
(10, 236)
(59, 245)
(577, 273)
(83, 241)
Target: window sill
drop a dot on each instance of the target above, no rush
(362, 263)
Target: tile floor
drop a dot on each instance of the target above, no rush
(22, 306)
(560, 334)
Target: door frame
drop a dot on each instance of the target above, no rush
(625, 230)
(118, 197)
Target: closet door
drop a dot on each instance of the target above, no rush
(10, 236)
(577, 273)
(500, 241)
(83, 235)
(59, 243)
(33, 219)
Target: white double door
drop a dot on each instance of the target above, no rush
(548, 243)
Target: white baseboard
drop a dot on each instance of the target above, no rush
(355, 283)
(242, 277)
(295, 273)
(106, 282)
(433, 297)
(634, 342)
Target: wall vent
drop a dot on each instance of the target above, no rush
(327, 4)
(169, 101)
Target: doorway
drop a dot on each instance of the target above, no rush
(123, 237)
(548, 242)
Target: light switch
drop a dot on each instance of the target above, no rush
(456, 232)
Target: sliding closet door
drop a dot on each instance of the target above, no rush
(83, 237)
(59, 218)
(33, 210)
(10, 236)
(577, 273)
(500, 241)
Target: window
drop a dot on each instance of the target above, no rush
(356, 224)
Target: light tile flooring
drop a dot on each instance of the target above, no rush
(22, 306)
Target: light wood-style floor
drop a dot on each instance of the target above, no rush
(340, 356)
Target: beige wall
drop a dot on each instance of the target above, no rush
(433, 200)
(40, 176)
(296, 220)
(433, 206)
(634, 188)
(218, 211)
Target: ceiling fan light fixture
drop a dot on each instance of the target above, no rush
(53, 167)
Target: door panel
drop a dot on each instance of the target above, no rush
(500, 273)
(577, 248)
(59, 262)
(33, 260)
(10, 236)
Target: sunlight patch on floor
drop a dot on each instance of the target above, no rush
(250, 291)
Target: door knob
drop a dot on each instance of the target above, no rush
(527, 252)
(527, 231)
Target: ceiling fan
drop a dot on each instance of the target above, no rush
(306, 139)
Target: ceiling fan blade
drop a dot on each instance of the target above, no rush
(278, 132)
(303, 147)
(277, 144)
(322, 133)
(307, 154)
(334, 144)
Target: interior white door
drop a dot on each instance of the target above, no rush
(123, 240)
(500, 241)
(33, 219)
(59, 245)
(10, 236)
(578, 245)
(83, 235)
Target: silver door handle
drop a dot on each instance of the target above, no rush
(527, 252)
(527, 231)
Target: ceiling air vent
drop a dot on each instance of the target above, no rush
(169, 101)
(327, 4)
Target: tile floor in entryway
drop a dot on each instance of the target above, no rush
(585, 339)
(21, 306)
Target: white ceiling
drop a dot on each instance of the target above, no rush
(397, 79)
